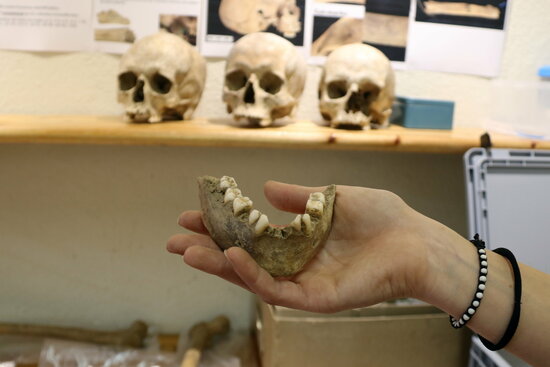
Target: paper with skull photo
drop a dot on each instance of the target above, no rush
(32, 25)
(379, 23)
(118, 24)
(334, 25)
(226, 21)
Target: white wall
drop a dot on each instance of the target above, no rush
(83, 228)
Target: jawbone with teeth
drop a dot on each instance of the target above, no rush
(281, 250)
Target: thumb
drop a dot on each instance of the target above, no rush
(290, 198)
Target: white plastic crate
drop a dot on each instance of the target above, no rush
(508, 186)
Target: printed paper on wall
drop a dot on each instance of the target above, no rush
(119, 23)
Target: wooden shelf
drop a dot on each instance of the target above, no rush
(302, 134)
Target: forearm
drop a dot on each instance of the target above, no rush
(453, 279)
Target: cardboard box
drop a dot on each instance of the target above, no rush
(384, 335)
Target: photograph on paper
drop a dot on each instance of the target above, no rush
(473, 13)
(228, 20)
(386, 25)
(335, 25)
(118, 24)
(331, 33)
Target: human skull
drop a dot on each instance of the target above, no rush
(264, 79)
(357, 88)
(248, 16)
(161, 77)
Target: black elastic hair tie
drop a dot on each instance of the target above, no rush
(514, 320)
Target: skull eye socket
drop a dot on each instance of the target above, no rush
(161, 84)
(337, 89)
(127, 80)
(236, 80)
(271, 83)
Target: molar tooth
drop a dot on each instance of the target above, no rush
(297, 223)
(318, 196)
(227, 182)
(314, 208)
(241, 204)
(306, 219)
(254, 216)
(231, 194)
(261, 225)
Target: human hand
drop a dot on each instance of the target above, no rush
(376, 251)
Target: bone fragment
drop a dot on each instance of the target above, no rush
(306, 219)
(227, 182)
(241, 205)
(134, 336)
(200, 338)
(297, 223)
(254, 216)
(261, 225)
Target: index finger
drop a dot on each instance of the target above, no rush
(192, 220)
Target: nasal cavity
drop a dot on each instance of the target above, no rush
(138, 93)
(354, 103)
(249, 94)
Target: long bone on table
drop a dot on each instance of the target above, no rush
(133, 336)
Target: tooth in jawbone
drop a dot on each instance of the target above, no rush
(318, 196)
(227, 182)
(306, 219)
(261, 225)
(254, 216)
(297, 223)
(314, 208)
(231, 194)
(241, 204)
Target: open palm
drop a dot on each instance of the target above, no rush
(364, 260)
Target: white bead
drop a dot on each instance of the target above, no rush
(484, 263)
(461, 321)
(482, 287)
(466, 317)
(481, 251)
(483, 278)
(483, 270)
(471, 311)
(475, 303)
(479, 295)
(483, 256)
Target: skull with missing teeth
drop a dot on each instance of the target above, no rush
(161, 77)
(281, 250)
(264, 79)
(357, 88)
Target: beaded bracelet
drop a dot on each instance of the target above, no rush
(480, 289)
